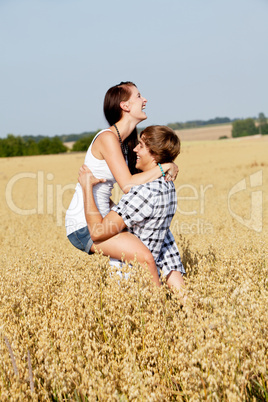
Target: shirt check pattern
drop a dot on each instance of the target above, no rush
(147, 211)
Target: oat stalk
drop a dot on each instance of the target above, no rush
(30, 372)
(11, 354)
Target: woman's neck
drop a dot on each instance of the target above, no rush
(125, 128)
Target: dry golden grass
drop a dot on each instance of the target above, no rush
(71, 331)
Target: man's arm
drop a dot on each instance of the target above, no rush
(99, 228)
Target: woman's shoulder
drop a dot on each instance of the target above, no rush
(105, 131)
(108, 140)
(105, 134)
(104, 143)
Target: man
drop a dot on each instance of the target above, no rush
(147, 209)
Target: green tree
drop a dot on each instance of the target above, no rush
(264, 129)
(44, 146)
(57, 146)
(83, 143)
(11, 146)
(262, 119)
(17, 146)
(30, 148)
(242, 128)
(176, 126)
(53, 145)
(263, 126)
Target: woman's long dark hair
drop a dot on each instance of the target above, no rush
(113, 113)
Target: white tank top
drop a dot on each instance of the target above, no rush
(75, 216)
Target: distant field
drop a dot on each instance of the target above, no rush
(69, 330)
(195, 134)
(69, 144)
(205, 133)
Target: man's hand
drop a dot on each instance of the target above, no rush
(86, 178)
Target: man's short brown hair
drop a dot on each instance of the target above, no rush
(162, 142)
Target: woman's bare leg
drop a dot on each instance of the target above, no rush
(130, 246)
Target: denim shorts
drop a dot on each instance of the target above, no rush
(81, 239)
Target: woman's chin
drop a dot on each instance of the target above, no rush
(144, 116)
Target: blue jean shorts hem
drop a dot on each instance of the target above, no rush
(81, 239)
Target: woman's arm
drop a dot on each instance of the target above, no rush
(111, 152)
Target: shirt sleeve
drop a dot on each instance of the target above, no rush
(169, 258)
(135, 206)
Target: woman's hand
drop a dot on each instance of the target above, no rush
(86, 178)
(172, 172)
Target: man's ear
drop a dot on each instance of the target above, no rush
(124, 105)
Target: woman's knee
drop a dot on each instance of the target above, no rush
(148, 258)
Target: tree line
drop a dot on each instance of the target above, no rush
(29, 145)
(199, 123)
(41, 145)
(62, 137)
(17, 146)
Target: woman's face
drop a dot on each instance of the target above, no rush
(136, 104)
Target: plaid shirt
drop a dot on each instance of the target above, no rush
(147, 211)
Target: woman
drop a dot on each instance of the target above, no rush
(107, 158)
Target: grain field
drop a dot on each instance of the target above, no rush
(71, 330)
(205, 133)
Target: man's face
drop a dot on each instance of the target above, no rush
(145, 160)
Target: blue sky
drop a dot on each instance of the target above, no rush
(191, 59)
